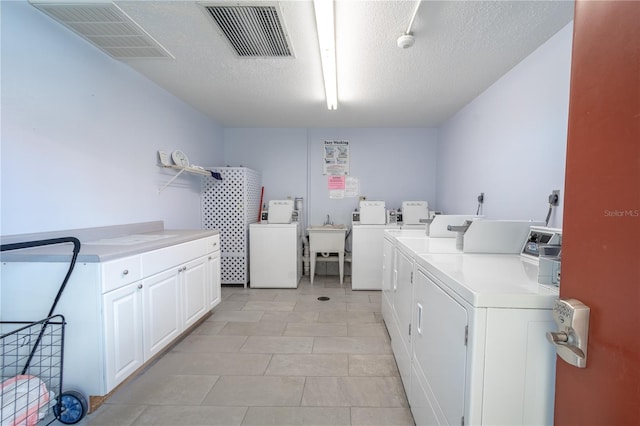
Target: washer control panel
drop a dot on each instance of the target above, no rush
(540, 236)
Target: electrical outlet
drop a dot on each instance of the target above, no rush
(554, 198)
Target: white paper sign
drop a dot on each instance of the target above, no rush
(336, 158)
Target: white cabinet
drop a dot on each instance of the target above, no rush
(120, 313)
(142, 318)
(193, 280)
(123, 333)
(213, 277)
(164, 304)
(120, 272)
(162, 314)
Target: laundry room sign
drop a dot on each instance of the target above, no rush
(336, 158)
(336, 186)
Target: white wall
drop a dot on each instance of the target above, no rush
(280, 155)
(391, 164)
(510, 142)
(80, 134)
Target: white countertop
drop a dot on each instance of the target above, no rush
(102, 244)
(491, 280)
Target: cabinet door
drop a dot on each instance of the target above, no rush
(193, 276)
(123, 333)
(213, 279)
(439, 347)
(162, 319)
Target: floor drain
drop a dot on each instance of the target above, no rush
(323, 298)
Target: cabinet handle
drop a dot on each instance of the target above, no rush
(139, 286)
(184, 268)
(210, 257)
(125, 272)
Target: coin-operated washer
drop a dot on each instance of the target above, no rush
(414, 214)
(275, 248)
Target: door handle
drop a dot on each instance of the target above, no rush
(557, 338)
(571, 339)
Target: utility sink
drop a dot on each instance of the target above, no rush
(327, 227)
(327, 239)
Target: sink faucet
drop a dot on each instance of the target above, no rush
(328, 221)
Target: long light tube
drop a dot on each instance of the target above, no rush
(325, 25)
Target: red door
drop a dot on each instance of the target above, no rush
(601, 246)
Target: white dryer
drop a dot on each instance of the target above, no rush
(489, 362)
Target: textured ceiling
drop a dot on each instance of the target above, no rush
(461, 48)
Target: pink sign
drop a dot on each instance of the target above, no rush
(336, 182)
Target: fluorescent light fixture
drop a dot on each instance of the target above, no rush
(325, 25)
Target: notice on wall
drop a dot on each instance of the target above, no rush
(336, 158)
(351, 187)
(336, 186)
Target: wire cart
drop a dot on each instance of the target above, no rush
(32, 358)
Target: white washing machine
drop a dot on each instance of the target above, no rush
(275, 248)
(366, 246)
(366, 256)
(275, 255)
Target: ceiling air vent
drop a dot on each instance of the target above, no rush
(106, 26)
(252, 30)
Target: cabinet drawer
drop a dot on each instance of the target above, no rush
(120, 272)
(168, 257)
(213, 243)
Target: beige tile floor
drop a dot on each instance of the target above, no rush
(273, 357)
